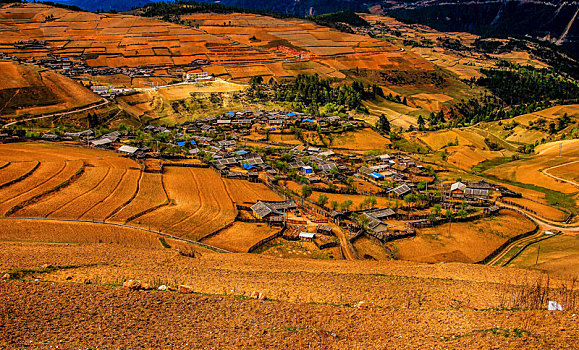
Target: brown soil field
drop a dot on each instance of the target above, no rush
(439, 139)
(111, 188)
(529, 170)
(195, 210)
(289, 139)
(70, 201)
(543, 209)
(25, 89)
(369, 249)
(568, 172)
(245, 192)
(74, 232)
(14, 171)
(135, 41)
(465, 157)
(42, 314)
(361, 140)
(121, 190)
(468, 241)
(241, 236)
(558, 255)
(150, 195)
(46, 177)
(180, 92)
(332, 304)
(380, 284)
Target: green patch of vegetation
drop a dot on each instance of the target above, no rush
(491, 163)
(406, 145)
(496, 331)
(23, 273)
(557, 199)
(164, 243)
(341, 20)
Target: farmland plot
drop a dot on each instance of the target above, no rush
(16, 192)
(13, 171)
(58, 202)
(241, 236)
(150, 195)
(120, 194)
(200, 204)
(75, 232)
(245, 192)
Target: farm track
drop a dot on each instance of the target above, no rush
(28, 185)
(81, 194)
(527, 245)
(546, 172)
(513, 245)
(60, 114)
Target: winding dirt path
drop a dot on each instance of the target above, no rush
(546, 172)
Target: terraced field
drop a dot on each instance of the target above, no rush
(284, 47)
(199, 205)
(86, 184)
(245, 192)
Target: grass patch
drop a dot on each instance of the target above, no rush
(556, 199)
(164, 243)
(496, 331)
(491, 163)
(21, 274)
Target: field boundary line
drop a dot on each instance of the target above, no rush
(108, 196)
(82, 194)
(21, 177)
(122, 206)
(152, 209)
(527, 246)
(5, 165)
(204, 245)
(56, 188)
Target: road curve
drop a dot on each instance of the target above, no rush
(546, 172)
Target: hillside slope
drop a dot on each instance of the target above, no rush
(25, 89)
(326, 304)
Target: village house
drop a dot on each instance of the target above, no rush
(263, 210)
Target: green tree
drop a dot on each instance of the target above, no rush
(384, 124)
(322, 199)
(436, 210)
(306, 191)
(345, 205)
(420, 122)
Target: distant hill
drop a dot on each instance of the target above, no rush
(550, 19)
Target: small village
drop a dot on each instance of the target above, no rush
(329, 192)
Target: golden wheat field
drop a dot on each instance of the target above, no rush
(87, 184)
